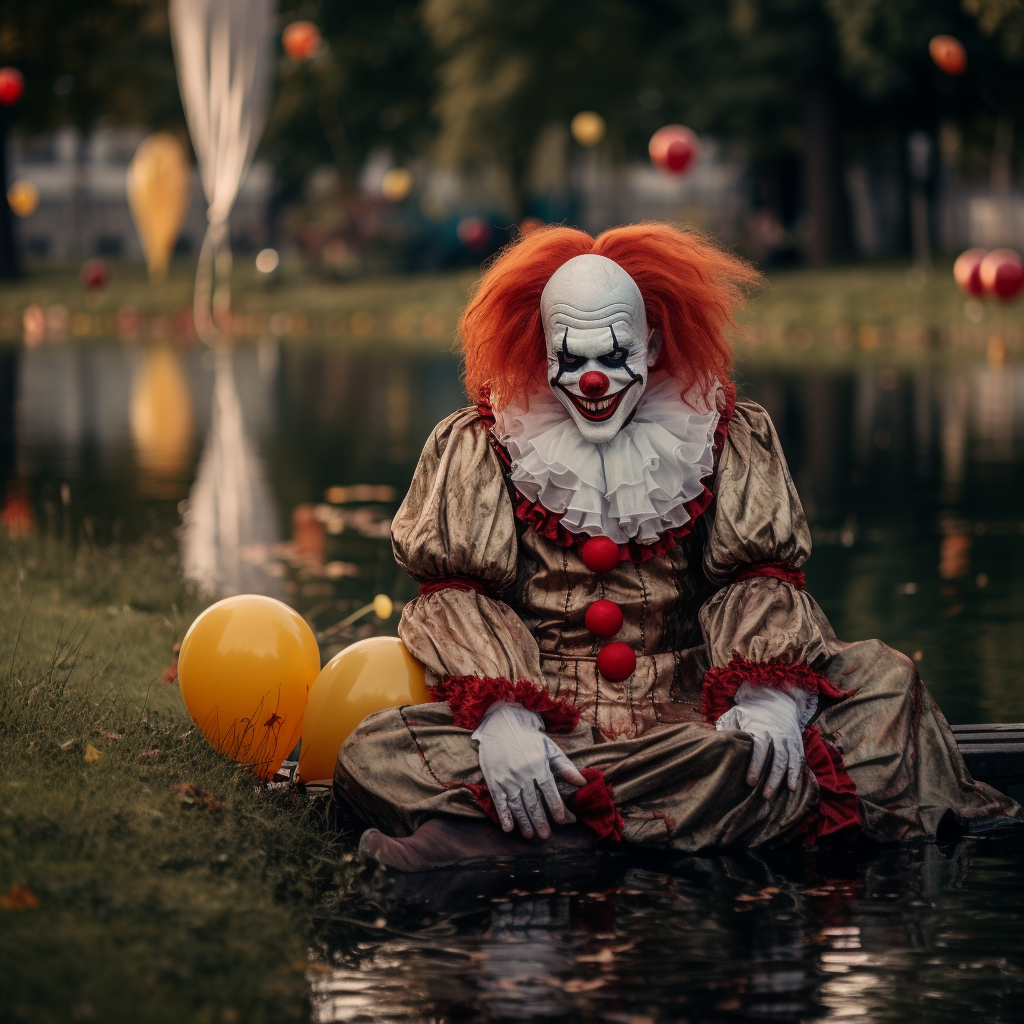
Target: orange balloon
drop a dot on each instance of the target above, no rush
(372, 675)
(301, 40)
(245, 669)
(949, 54)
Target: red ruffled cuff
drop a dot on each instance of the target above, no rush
(469, 697)
(721, 684)
(838, 812)
(592, 804)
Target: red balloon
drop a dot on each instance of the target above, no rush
(949, 54)
(474, 233)
(604, 619)
(967, 271)
(95, 275)
(12, 85)
(616, 661)
(674, 149)
(1002, 274)
(600, 554)
(301, 40)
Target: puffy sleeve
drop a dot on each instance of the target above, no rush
(455, 534)
(761, 626)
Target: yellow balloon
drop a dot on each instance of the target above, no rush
(587, 128)
(369, 676)
(23, 198)
(245, 669)
(158, 194)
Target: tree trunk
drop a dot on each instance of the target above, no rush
(827, 228)
(9, 264)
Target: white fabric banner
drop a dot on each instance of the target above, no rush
(223, 50)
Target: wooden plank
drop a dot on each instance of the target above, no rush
(989, 727)
(993, 751)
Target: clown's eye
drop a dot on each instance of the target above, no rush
(569, 363)
(616, 358)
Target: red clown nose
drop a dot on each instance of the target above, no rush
(593, 384)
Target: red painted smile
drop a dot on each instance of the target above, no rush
(597, 409)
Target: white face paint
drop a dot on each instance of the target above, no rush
(599, 347)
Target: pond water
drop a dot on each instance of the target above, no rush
(913, 485)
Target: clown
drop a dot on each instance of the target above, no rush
(612, 614)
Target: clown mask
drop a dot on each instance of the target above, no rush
(600, 350)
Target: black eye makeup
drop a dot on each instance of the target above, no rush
(616, 359)
(570, 363)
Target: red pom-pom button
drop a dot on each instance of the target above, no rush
(604, 619)
(600, 554)
(616, 661)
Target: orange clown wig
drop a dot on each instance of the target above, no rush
(691, 289)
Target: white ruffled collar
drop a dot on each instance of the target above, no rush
(634, 487)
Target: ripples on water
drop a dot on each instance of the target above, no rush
(913, 485)
(930, 933)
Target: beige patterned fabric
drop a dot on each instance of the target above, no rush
(676, 781)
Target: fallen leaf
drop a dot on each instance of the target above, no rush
(20, 897)
(108, 735)
(149, 753)
(170, 673)
(91, 753)
(584, 985)
(193, 796)
(66, 745)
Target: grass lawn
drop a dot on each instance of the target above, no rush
(124, 898)
(839, 316)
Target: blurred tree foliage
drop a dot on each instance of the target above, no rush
(87, 61)
(371, 85)
(800, 86)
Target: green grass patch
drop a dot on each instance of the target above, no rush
(836, 317)
(156, 902)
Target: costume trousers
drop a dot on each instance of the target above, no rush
(683, 785)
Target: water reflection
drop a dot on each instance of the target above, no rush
(160, 416)
(230, 510)
(784, 936)
(895, 470)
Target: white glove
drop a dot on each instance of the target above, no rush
(518, 758)
(775, 720)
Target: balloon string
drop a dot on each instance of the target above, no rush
(338, 627)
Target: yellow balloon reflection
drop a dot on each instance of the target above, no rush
(158, 194)
(369, 676)
(161, 419)
(245, 668)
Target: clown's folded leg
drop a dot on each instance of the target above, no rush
(880, 764)
(608, 547)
